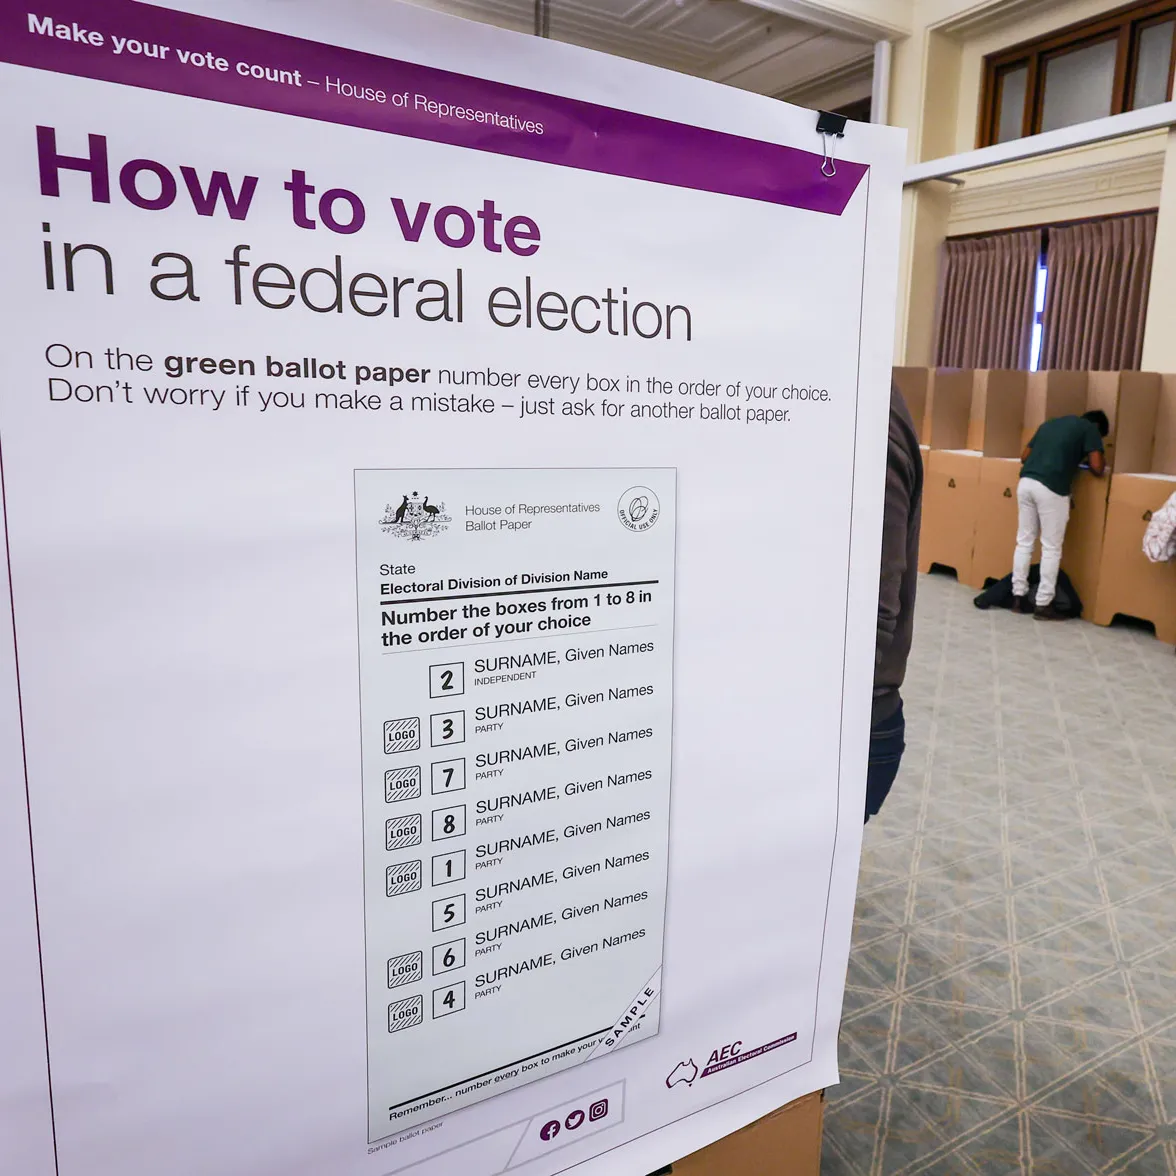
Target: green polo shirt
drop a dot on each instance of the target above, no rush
(1058, 448)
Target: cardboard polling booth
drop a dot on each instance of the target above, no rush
(1054, 394)
(973, 467)
(1016, 405)
(915, 384)
(973, 415)
(785, 1143)
(951, 476)
(951, 408)
(951, 484)
(998, 412)
(1082, 554)
(1144, 478)
(996, 520)
(1082, 557)
(1106, 390)
(998, 420)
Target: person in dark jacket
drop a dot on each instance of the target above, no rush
(896, 601)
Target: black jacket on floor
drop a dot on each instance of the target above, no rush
(999, 594)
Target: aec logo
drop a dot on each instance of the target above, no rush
(597, 1111)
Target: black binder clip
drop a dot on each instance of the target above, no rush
(829, 126)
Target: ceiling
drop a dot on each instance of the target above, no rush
(724, 40)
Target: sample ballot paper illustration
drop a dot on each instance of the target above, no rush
(516, 698)
(441, 475)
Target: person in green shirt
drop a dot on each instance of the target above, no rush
(1049, 464)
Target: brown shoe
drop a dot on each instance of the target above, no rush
(1021, 604)
(1048, 612)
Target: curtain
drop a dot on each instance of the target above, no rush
(986, 300)
(1096, 298)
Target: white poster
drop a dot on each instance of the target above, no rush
(442, 491)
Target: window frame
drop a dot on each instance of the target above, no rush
(1133, 71)
(1123, 25)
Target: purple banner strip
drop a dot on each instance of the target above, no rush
(178, 53)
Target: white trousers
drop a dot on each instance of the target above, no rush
(1040, 512)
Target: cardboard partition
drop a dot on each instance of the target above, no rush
(951, 408)
(1083, 550)
(1055, 394)
(785, 1143)
(951, 485)
(1164, 450)
(996, 520)
(915, 384)
(1129, 583)
(1131, 401)
(1103, 391)
(998, 413)
(1143, 491)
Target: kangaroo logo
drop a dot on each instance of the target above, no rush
(683, 1072)
(415, 518)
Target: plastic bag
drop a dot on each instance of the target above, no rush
(1159, 540)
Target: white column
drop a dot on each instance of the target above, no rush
(880, 93)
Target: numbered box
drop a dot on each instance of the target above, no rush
(402, 784)
(449, 957)
(402, 735)
(404, 1014)
(403, 832)
(449, 1000)
(447, 681)
(406, 969)
(404, 878)
(449, 822)
(447, 729)
(448, 776)
(449, 867)
(449, 912)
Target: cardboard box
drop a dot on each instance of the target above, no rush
(951, 484)
(915, 384)
(785, 1143)
(1144, 477)
(951, 408)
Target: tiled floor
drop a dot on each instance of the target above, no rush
(1012, 989)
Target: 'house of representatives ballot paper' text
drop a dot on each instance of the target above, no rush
(516, 662)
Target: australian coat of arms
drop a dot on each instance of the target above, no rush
(415, 518)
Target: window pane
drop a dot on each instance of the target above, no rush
(1012, 103)
(1151, 68)
(1079, 86)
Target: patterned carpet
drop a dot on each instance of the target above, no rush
(1012, 989)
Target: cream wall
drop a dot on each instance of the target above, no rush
(935, 93)
(1159, 337)
(1100, 180)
